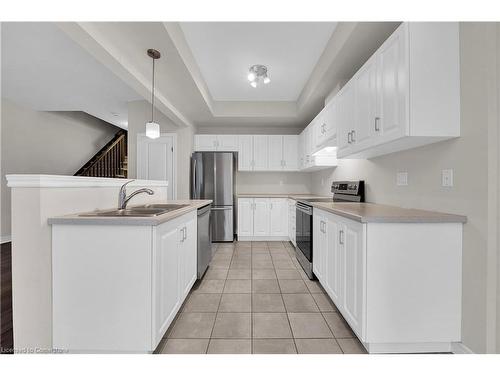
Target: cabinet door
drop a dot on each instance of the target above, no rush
(334, 282)
(245, 217)
(261, 217)
(227, 143)
(354, 275)
(275, 144)
(245, 153)
(290, 152)
(167, 277)
(392, 77)
(365, 102)
(188, 255)
(260, 153)
(329, 120)
(278, 217)
(345, 116)
(204, 142)
(318, 247)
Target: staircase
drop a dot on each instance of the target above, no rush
(111, 161)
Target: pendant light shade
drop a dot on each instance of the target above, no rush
(152, 127)
(152, 130)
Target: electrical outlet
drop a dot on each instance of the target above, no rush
(447, 177)
(402, 179)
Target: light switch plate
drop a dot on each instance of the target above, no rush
(402, 179)
(447, 177)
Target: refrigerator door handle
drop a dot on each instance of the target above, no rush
(221, 208)
(193, 177)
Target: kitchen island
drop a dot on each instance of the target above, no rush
(118, 282)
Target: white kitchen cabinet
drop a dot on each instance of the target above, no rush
(227, 143)
(320, 242)
(290, 152)
(392, 87)
(275, 146)
(325, 125)
(205, 142)
(209, 142)
(338, 263)
(260, 153)
(345, 117)
(352, 244)
(278, 217)
(379, 278)
(168, 275)
(189, 257)
(245, 217)
(245, 153)
(406, 95)
(366, 122)
(135, 277)
(261, 219)
(283, 152)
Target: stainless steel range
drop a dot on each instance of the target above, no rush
(342, 191)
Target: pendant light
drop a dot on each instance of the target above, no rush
(153, 128)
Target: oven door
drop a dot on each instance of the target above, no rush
(303, 230)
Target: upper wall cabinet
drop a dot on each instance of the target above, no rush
(209, 142)
(268, 153)
(406, 95)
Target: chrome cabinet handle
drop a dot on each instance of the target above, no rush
(377, 125)
(185, 233)
(353, 132)
(349, 137)
(341, 237)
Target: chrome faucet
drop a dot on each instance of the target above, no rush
(123, 199)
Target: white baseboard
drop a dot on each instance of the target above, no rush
(267, 238)
(5, 238)
(459, 348)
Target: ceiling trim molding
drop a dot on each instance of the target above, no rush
(179, 40)
(91, 40)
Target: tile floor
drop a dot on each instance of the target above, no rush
(255, 298)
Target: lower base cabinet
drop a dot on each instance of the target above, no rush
(263, 219)
(398, 285)
(117, 288)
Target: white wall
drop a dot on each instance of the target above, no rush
(467, 156)
(46, 142)
(139, 112)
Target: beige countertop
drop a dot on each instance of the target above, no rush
(379, 213)
(129, 220)
(295, 196)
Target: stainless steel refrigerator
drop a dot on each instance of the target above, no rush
(212, 177)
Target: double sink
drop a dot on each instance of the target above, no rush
(146, 210)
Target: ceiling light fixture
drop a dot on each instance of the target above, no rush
(153, 128)
(257, 74)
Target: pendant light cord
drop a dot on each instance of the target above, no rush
(153, 94)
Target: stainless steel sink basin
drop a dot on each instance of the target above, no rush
(139, 211)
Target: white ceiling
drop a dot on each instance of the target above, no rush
(225, 50)
(44, 69)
